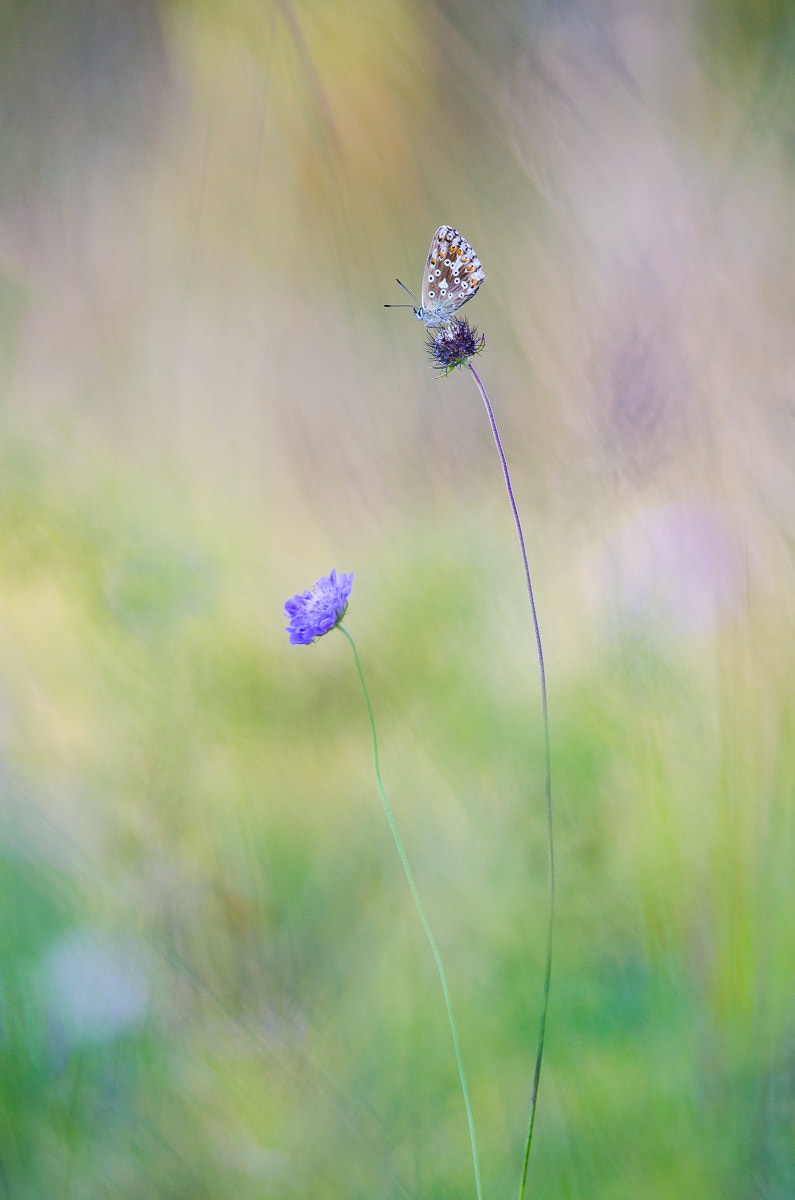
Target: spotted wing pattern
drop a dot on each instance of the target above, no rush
(452, 276)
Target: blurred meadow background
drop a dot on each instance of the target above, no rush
(212, 981)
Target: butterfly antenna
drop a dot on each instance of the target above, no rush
(405, 289)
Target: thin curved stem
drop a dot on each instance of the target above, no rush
(437, 958)
(547, 785)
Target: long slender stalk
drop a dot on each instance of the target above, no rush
(547, 786)
(421, 914)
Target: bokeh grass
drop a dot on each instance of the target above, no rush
(193, 799)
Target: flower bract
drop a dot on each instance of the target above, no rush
(315, 612)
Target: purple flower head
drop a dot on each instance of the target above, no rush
(453, 345)
(313, 613)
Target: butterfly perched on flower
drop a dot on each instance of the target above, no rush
(452, 276)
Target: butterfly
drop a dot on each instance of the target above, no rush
(452, 276)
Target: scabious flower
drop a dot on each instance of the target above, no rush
(311, 615)
(316, 612)
(453, 345)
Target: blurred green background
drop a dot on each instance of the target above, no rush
(212, 982)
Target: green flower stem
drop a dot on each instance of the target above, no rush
(547, 784)
(437, 958)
